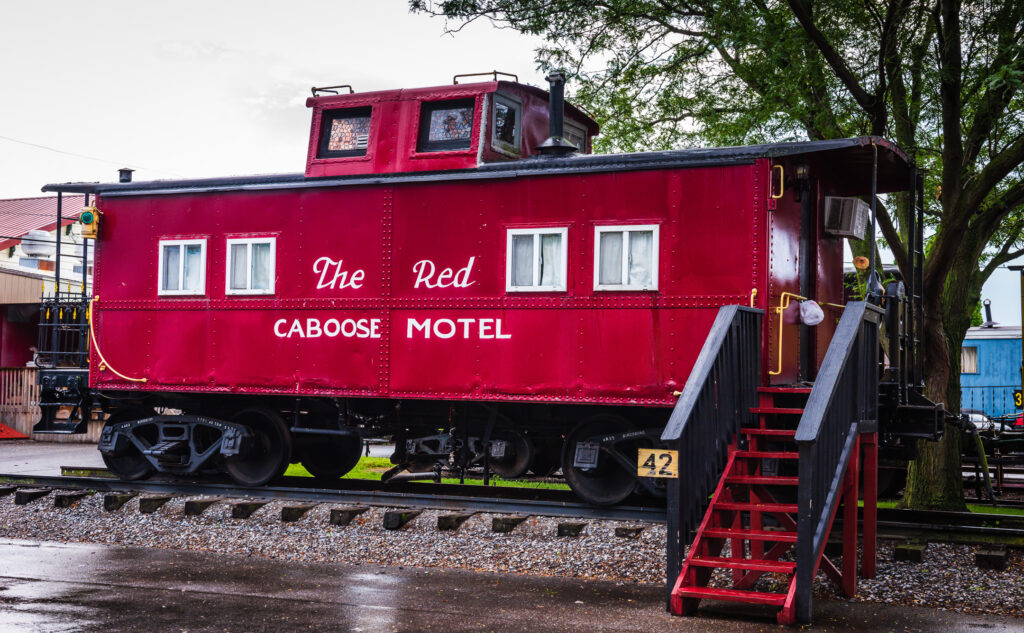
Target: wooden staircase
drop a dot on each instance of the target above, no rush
(761, 470)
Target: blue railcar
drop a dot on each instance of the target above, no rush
(991, 369)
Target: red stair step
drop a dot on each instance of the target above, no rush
(763, 480)
(783, 390)
(754, 564)
(777, 410)
(768, 454)
(750, 535)
(737, 506)
(790, 433)
(733, 595)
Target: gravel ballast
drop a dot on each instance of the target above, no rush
(947, 579)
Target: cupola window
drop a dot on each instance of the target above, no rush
(344, 133)
(446, 126)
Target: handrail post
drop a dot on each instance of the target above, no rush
(805, 535)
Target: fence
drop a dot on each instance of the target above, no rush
(19, 406)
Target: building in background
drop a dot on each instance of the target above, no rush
(28, 263)
(990, 369)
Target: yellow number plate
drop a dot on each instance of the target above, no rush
(657, 463)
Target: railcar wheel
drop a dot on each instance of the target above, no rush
(609, 482)
(328, 457)
(266, 455)
(517, 457)
(131, 465)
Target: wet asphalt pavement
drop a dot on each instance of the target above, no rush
(58, 588)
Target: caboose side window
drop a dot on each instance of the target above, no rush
(535, 260)
(506, 122)
(344, 132)
(182, 266)
(626, 257)
(446, 125)
(250, 269)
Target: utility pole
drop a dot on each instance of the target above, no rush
(1020, 269)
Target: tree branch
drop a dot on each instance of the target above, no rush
(870, 103)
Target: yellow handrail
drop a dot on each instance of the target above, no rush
(779, 309)
(103, 361)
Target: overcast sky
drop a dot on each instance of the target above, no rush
(192, 89)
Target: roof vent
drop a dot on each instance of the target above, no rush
(124, 174)
(846, 217)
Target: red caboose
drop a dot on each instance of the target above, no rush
(454, 269)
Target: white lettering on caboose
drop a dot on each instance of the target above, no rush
(332, 275)
(331, 328)
(448, 328)
(447, 278)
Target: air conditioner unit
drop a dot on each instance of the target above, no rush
(846, 217)
(38, 243)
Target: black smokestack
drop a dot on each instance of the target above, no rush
(988, 314)
(556, 145)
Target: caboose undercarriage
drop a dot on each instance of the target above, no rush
(253, 439)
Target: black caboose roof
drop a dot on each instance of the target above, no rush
(848, 160)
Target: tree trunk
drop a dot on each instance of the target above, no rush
(935, 478)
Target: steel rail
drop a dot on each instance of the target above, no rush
(411, 496)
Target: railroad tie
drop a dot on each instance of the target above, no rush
(504, 525)
(151, 503)
(570, 529)
(25, 497)
(245, 509)
(632, 531)
(344, 516)
(114, 501)
(992, 557)
(452, 522)
(396, 519)
(910, 552)
(67, 499)
(195, 507)
(290, 514)
(7, 490)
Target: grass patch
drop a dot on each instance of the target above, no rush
(971, 507)
(1017, 512)
(372, 468)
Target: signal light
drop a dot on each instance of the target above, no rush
(90, 220)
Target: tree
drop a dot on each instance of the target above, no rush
(941, 77)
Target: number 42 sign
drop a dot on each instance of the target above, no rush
(656, 462)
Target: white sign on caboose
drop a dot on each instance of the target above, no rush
(333, 275)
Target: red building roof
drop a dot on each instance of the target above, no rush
(18, 216)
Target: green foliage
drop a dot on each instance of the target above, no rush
(943, 78)
(976, 319)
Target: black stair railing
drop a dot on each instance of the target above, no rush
(842, 403)
(714, 404)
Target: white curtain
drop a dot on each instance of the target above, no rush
(238, 253)
(611, 259)
(261, 265)
(172, 266)
(551, 260)
(641, 258)
(193, 266)
(522, 260)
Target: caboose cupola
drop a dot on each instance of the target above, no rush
(460, 126)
